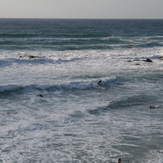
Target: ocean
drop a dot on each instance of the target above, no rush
(52, 109)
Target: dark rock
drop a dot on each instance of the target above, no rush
(160, 58)
(137, 63)
(148, 60)
(28, 56)
(31, 56)
(136, 60)
(129, 61)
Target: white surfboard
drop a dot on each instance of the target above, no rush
(102, 88)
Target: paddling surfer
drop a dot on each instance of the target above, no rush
(119, 160)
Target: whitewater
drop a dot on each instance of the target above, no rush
(51, 107)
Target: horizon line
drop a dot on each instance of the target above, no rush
(93, 18)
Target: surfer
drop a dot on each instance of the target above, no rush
(40, 95)
(153, 107)
(99, 83)
(119, 160)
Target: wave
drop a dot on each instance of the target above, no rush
(56, 47)
(60, 44)
(90, 84)
(156, 38)
(128, 102)
(16, 35)
(79, 34)
(47, 34)
(10, 61)
(35, 60)
(74, 47)
(78, 43)
(150, 44)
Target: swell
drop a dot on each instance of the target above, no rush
(67, 86)
(27, 60)
(16, 35)
(34, 60)
(150, 44)
(127, 102)
(51, 36)
(78, 45)
(28, 28)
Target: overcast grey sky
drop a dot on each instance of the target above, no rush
(81, 9)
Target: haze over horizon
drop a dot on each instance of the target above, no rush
(87, 9)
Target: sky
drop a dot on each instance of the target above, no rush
(94, 9)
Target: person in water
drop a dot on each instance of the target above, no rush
(119, 160)
(99, 83)
(40, 95)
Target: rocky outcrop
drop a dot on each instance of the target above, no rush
(148, 60)
(28, 56)
(160, 58)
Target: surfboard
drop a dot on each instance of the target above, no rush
(102, 88)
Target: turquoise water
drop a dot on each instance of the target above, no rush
(75, 120)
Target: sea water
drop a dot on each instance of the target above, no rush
(53, 111)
